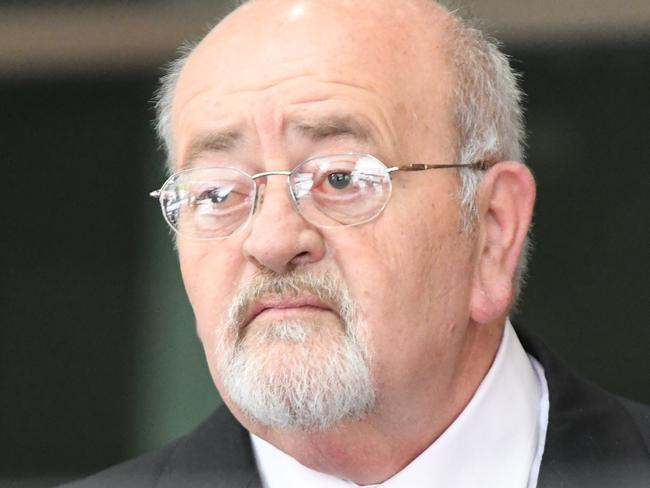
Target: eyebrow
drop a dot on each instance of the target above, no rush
(316, 129)
(221, 141)
(332, 127)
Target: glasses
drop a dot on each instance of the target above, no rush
(338, 190)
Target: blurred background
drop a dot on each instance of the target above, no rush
(98, 356)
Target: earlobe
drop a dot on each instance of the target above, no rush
(505, 204)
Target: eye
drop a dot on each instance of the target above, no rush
(339, 180)
(215, 195)
(219, 196)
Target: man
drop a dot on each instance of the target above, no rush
(352, 214)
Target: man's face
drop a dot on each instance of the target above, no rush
(283, 81)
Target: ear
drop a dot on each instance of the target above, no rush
(505, 203)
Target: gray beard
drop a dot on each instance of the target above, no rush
(299, 374)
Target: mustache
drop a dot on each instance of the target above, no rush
(326, 286)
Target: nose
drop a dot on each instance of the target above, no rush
(279, 239)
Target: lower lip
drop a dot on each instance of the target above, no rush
(278, 313)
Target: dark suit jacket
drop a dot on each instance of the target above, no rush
(594, 439)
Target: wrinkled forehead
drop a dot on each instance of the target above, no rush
(396, 48)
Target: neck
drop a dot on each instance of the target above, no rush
(382, 444)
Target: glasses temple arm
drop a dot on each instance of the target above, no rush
(478, 165)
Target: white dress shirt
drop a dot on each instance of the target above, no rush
(497, 440)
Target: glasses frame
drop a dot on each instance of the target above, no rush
(159, 193)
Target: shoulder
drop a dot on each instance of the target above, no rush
(216, 453)
(593, 438)
(142, 472)
(640, 415)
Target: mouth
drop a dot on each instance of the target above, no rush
(281, 306)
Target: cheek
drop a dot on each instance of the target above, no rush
(388, 272)
(409, 277)
(210, 273)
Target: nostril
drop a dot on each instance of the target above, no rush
(301, 258)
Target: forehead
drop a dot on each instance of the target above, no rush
(283, 52)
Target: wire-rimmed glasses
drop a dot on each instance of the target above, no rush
(337, 190)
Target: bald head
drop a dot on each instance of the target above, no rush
(391, 27)
(394, 49)
(485, 98)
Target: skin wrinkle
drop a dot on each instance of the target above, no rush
(317, 130)
(384, 131)
(429, 354)
(301, 69)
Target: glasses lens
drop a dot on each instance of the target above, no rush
(208, 203)
(345, 189)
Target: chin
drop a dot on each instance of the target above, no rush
(299, 377)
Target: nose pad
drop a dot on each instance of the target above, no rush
(261, 195)
(261, 192)
(259, 198)
(279, 237)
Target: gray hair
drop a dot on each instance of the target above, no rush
(488, 114)
(489, 117)
(296, 385)
(164, 101)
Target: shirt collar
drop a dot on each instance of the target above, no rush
(492, 443)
